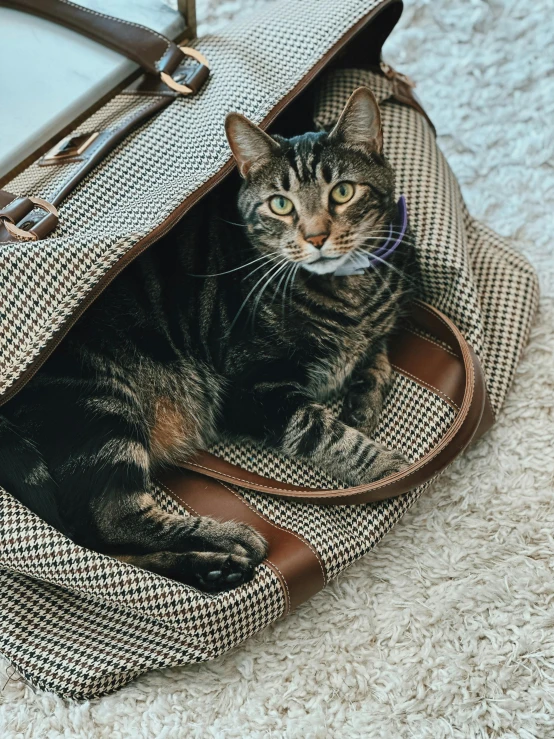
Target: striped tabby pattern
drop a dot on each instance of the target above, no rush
(178, 351)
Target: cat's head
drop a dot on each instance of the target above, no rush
(319, 197)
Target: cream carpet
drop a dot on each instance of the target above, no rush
(446, 630)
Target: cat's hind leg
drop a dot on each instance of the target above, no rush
(200, 551)
(97, 441)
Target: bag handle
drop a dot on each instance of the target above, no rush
(155, 53)
(448, 366)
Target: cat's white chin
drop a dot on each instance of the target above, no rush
(324, 266)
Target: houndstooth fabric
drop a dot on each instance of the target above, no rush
(82, 624)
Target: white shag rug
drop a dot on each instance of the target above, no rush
(446, 630)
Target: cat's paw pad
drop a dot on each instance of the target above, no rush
(215, 572)
(230, 553)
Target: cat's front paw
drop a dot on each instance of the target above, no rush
(386, 462)
(215, 572)
(359, 414)
(236, 551)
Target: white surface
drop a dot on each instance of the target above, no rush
(49, 75)
(446, 630)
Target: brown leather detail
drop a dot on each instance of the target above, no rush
(293, 560)
(152, 51)
(431, 365)
(104, 143)
(473, 405)
(195, 78)
(45, 226)
(487, 419)
(6, 198)
(16, 209)
(146, 84)
(404, 94)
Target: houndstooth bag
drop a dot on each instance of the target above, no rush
(82, 624)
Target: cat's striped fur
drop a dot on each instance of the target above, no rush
(168, 359)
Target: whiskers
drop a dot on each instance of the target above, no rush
(383, 261)
(280, 268)
(233, 223)
(235, 269)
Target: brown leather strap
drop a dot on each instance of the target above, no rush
(448, 367)
(5, 199)
(13, 209)
(152, 51)
(292, 558)
(18, 210)
(103, 144)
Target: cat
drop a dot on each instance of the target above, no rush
(235, 323)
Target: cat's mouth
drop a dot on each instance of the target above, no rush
(325, 264)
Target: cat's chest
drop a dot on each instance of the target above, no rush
(329, 364)
(330, 375)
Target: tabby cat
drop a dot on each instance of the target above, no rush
(234, 324)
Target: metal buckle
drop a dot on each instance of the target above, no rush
(20, 233)
(177, 86)
(71, 146)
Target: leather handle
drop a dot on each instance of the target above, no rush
(155, 53)
(474, 416)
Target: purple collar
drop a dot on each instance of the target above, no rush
(359, 262)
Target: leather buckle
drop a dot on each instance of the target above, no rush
(70, 147)
(191, 80)
(21, 207)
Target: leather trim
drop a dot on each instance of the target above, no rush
(487, 419)
(152, 51)
(6, 198)
(294, 561)
(463, 378)
(42, 226)
(17, 209)
(106, 141)
(421, 359)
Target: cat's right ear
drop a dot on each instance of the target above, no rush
(360, 122)
(249, 144)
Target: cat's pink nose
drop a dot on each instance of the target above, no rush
(317, 240)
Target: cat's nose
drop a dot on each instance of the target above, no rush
(317, 240)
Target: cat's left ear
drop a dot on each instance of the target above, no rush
(249, 144)
(360, 122)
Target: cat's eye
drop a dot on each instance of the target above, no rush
(281, 205)
(342, 193)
